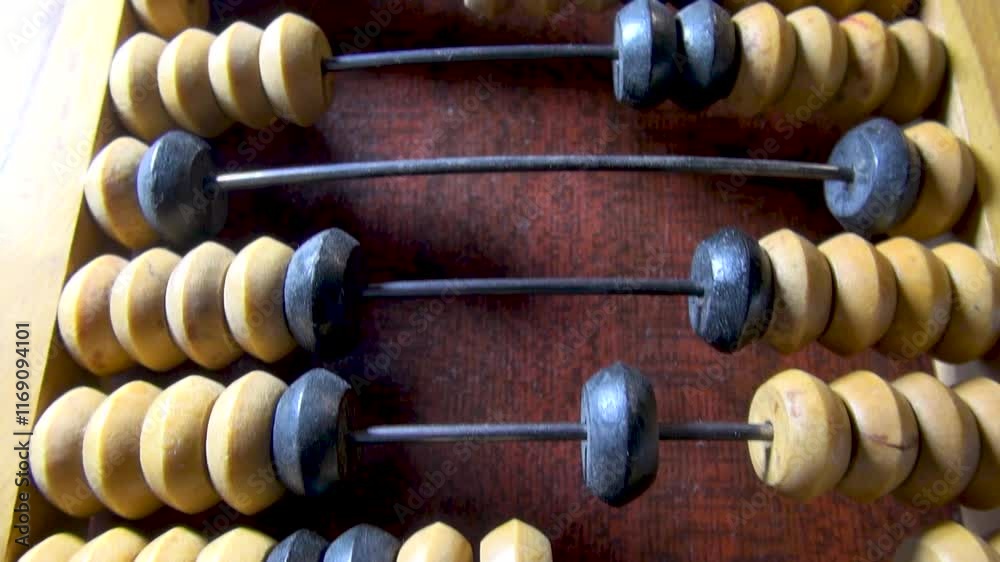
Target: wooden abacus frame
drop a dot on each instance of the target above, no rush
(49, 233)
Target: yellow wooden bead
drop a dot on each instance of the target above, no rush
(234, 69)
(768, 57)
(186, 87)
(890, 10)
(812, 435)
(291, 54)
(245, 545)
(864, 294)
(515, 541)
(885, 435)
(947, 180)
(110, 190)
(974, 326)
(134, 87)
(923, 303)
(982, 396)
(803, 291)
(254, 299)
(949, 442)
(436, 543)
(820, 64)
(111, 451)
(922, 60)
(239, 443)
(946, 541)
(872, 64)
(57, 548)
(115, 545)
(195, 309)
(85, 320)
(138, 314)
(167, 18)
(789, 6)
(172, 444)
(179, 544)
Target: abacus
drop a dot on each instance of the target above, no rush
(512, 248)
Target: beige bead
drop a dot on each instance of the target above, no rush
(995, 542)
(922, 59)
(885, 435)
(820, 64)
(436, 543)
(234, 69)
(803, 291)
(291, 55)
(111, 451)
(768, 57)
(239, 443)
(245, 545)
(487, 8)
(110, 190)
(85, 320)
(841, 8)
(889, 10)
(167, 18)
(923, 303)
(134, 87)
(975, 314)
(195, 309)
(57, 548)
(186, 87)
(872, 64)
(864, 294)
(254, 299)
(949, 442)
(947, 180)
(812, 435)
(115, 545)
(138, 313)
(172, 444)
(982, 396)
(946, 541)
(179, 544)
(515, 541)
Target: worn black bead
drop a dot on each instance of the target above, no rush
(323, 287)
(363, 543)
(709, 56)
(886, 178)
(176, 193)
(646, 38)
(621, 453)
(301, 546)
(738, 301)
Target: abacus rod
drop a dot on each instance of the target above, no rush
(468, 54)
(532, 286)
(256, 179)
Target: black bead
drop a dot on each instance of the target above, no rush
(738, 301)
(301, 546)
(646, 38)
(363, 543)
(709, 56)
(175, 190)
(621, 453)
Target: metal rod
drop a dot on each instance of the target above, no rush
(532, 286)
(468, 54)
(233, 181)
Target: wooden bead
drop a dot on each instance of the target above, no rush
(949, 442)
(947, 181)
(982, 396)
(487, 8)
(885, 435)
(254, 299)
(922, 60)
(172, 444)
(116, 545)
(179, 544)
(515, 541)
(85, 320)
(768, 57)
(110, 190)
(57, 548)
(134, 88)
(841, 8)
(923, 303)
(974, 326)
(946, 541)
(234, 69)
(138, 314)
(812, 435)
(872, 64)
(195, 310)
(245, 545)
(291, 54)
(167, 18)
(111, 451)
(239, 443)
(436, 543)
(803, 291)
(995, 542)
(864, 294)
(890, 10)
(186, 87)
(820, 63)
